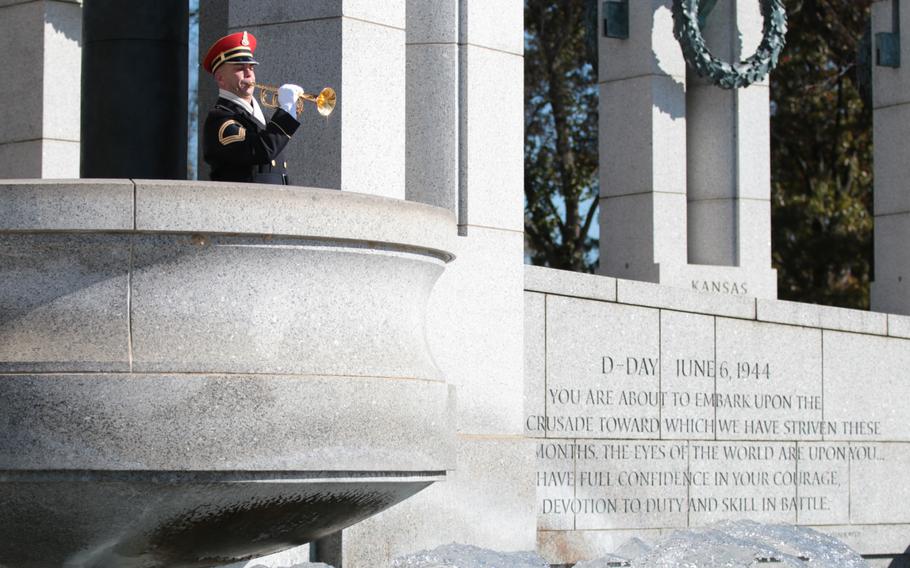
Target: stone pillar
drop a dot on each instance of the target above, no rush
(134, 82)
(729, 166)
(890, 129)
(642, 145)
(40, 115)
(356, 47)
(682, 171)
(328, 549)
(432, 103)
(477, 306)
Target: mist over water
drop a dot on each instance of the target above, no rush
(728, 544)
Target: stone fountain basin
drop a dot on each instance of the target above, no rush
(140, 520)
(196, 373)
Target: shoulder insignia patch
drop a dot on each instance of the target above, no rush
(231, 131)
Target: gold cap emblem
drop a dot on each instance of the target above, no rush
(244, 41)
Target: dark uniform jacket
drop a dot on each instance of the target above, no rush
(238, 148)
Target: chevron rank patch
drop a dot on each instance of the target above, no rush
(231, 131)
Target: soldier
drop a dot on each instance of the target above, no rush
(237, 141)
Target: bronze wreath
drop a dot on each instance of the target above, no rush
(687, 30)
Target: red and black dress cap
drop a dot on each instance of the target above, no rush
(234, 48)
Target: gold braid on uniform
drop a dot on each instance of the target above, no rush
(237, 134)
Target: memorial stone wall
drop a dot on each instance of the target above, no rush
(655, 409)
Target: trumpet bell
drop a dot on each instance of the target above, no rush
(325, 102)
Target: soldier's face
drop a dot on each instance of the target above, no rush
(238, 78)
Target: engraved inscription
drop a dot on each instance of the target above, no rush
(720, 286)
(630, 440)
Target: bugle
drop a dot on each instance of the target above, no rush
(324, 101)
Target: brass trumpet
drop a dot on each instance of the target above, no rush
(324, 101)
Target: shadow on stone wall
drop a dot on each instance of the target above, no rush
(902, 561)
(66, 19)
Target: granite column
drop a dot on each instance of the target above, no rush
(891, 200)
(40, 134)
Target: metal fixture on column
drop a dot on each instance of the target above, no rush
(616, 19)
(888, 44)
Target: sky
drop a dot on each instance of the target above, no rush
(192, 110)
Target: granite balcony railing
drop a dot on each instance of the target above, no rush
(195, 373)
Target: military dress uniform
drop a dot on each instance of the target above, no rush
(235, 143)
(239, 148)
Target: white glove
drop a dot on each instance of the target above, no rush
(287, 98)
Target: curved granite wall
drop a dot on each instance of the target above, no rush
(194, 373)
